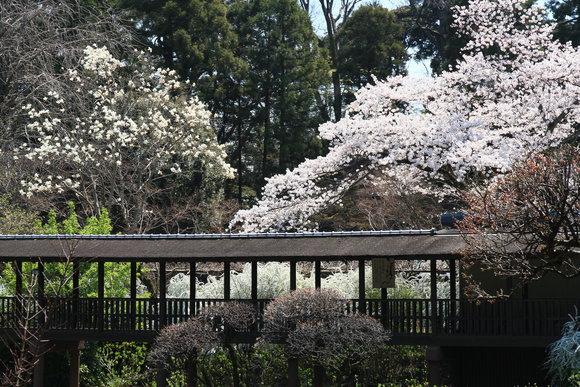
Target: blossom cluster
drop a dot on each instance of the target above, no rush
(135, 127)
(515, 91)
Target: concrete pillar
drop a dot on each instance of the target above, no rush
(434, 359)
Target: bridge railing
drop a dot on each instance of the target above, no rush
(417, 317)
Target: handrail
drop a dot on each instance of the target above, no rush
(406, 317)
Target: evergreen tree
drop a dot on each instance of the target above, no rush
(286, 69)
(371, 44)
(567, 14)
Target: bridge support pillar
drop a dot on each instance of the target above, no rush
(293, 380)
(38, 373)
(434, 360)
(161, 378)
(74, 375)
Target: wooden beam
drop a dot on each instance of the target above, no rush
(76, 294)
(361, 286)
(17, 267)
(101, 293)
(434, 312)
(293, 275)
(254, 280)
(41, 291)
(317, 274)
(40, 279)
(384, 307)
(452, 279)
(133, 294)
(453, 292)
(192, 290)
(76, 279)
(162, 294)
(227, 279)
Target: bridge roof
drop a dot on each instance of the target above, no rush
(409, 244)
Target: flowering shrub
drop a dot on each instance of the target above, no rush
(514, 91)
(315, 328)
(564, 355)
(274, 280)
(135, 137)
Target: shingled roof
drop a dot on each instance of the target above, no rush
(419, 244)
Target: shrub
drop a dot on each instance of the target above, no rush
(564, 354)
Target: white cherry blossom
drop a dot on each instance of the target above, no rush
(514, 91)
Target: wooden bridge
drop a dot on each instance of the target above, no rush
(435, 321)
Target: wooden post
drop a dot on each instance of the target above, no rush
(227, 284)
(18, 272)
(41, 291)
(434, 357)
(384, 307)
(101, 294)
(293, 275)
(317, 274)
(161, 378)
(75, 294)
(254, 280)
(74, 376)
(434, 316)
(192, 278)
(133, 295)
(38, 371)
(17, 267)
(453, 279)
(318, 377)
(162, 294)
(293, 380)
(452, 294)
(362, 307)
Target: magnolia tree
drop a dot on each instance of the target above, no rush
(134, 143)
(514, 91)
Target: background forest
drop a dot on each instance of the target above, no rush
(262, 82)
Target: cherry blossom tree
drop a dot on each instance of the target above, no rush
(135, 143)
(515, 91)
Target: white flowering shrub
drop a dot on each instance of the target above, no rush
(564, 355)
(514, 91)
(136, 137)
(274, 280)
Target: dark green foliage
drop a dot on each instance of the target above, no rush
(115, 364)
(192, 36)
(59, 275)
(428, 30)
(567, 14)
(285, 70)
(371, 43)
